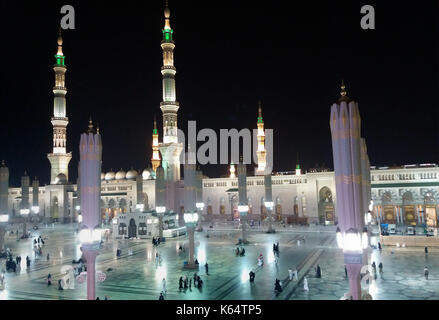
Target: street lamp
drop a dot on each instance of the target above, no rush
(269, 205)
(200, 207)
(140, 207)
(352, 241)
(79, 218)
(24, 213)
(191, 219)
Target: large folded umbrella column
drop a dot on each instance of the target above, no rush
(345, 125)
(90, 149)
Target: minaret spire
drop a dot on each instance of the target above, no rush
(155, 160)
(261, 152)
(59, 158)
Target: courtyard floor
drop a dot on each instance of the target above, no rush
(137, 276)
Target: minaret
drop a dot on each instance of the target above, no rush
(170, 148)
(59, 158)
(4, 188)
(298, 171)
(25, 182)
(232, 170)
(155, 161)
(261, 153)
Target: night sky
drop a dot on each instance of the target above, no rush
(229, 55)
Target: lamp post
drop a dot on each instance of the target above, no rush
(160, 212)
(200, 207)
(90, 150)
(191, 219)
(24, 213)
(36, 211)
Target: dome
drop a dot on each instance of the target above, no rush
(120, 175)
(61, 179)
(132, 174)
(102, 176)
(146, 174)
(110, 176)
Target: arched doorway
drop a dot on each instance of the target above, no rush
(122, 229)
(54, 208)
(145, 202)
(326, 206)
(430, 210)
(408, 208)
(132, 229)
(263, 209)
(222, 206)
(278, 210)
(296, 206)
(123, 205)
(388, 208)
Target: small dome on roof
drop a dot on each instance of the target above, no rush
(146, 174)
(132, 174)
(120, 175)
(110, 176)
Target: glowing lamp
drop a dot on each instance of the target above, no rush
(160, 209)
(35, 209)
(268, 204)
(24, 212)
(140, 206)
(200, 205)
(80, 218)
(87, 236)
(4, 218)
(191, 217)
(243, 208)
(78, 208)
(339, 238)
(114, 221)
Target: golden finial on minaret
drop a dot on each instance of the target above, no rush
(167, 16)
(60, 42)
(97, 128)
(260, 109)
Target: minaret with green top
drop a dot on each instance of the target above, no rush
(59, 158)
(170, 148)
(298, 171)
(261, 152)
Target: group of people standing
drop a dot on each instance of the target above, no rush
(240, 252)
(184, 283)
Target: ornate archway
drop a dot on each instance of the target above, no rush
(326, 206)
(409, 209)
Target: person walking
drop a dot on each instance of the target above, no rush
(380, 266)
(346, 271)
(374, 267)
(379, 246)
(49, 279)
(426, 250)
(296, 277)
(48, 257)
(161, 297)
(318, 272)
(426, 273)
(180, 283)
(290, 274)
(164, 285)
(207, 268)
(305, 284)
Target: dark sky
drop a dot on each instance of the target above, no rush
(229, 55)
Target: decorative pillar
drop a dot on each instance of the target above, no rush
(199, 197)
(90, 150)
(4, 188)
(24, 207)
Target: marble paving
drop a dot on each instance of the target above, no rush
(139, 277)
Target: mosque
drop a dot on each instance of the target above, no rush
(406, 194)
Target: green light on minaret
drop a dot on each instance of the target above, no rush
(297, 166)
(167, 35)
(154, 131)
(260, 120)
(59, 60)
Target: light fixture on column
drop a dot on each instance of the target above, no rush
(269, 204)
(190, 218)
(79, 218)
(24, 212)
(160, 209)
(200, 205)
(243, 209)
(35, 209)
(352, 241)
(140, 207)
(90, 238)
(4, 218)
